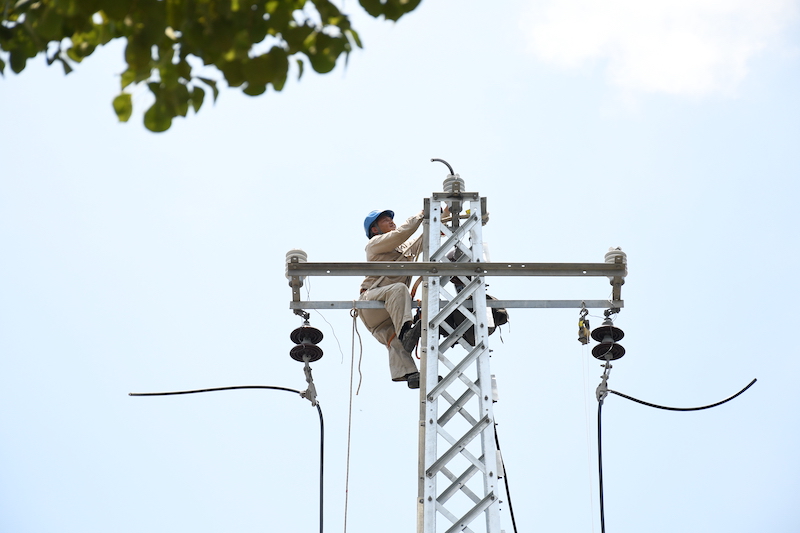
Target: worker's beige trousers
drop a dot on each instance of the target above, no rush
(385, 325)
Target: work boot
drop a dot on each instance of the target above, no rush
(413, 380)
(410, 338)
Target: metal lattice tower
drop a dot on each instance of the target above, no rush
(459, 466)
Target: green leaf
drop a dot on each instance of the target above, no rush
(179, 99)
(72, 53)
(169, 75)
(18, 61)
(390, 9)
(198, 95)
(49, 25)
(279, 61)
(254, 90)
(116, 9)
(233, 72)
(271, 67)
(155, 88)
(212, 84)
(354, 36)
(373, 7)
(326, 10)
(159, 36)
(296, 35)
(67, 68)
(279, 83)
(184, 70)
(123, 107)
(22, 5)
(137, 54)
(323, 50)
(128, 77)
(256, 70)
(157, 118)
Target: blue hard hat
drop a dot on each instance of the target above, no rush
(372, 217)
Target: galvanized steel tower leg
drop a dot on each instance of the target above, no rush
(458, 467)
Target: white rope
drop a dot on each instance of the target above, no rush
(354, 314)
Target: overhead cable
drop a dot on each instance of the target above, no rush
(600, 397)
(682, 408)
(319, 410)
(505, 479)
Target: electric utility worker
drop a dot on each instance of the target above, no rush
(392, 326)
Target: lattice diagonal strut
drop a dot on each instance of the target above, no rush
(458, 456)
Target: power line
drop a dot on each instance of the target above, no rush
(316, 403)
(600, 398)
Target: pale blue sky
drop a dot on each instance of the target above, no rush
(144, 262)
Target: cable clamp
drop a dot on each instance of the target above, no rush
(602, 389)
(310, 393)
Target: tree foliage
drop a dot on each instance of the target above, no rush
(250, 42)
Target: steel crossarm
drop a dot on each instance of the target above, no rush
(456, 251)
(455, 268)
(506, 304)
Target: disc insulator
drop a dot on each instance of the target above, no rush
(607, 331)
(306, 335)
(608, 351)
(301, 351)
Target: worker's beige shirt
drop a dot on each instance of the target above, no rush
(394, 246)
